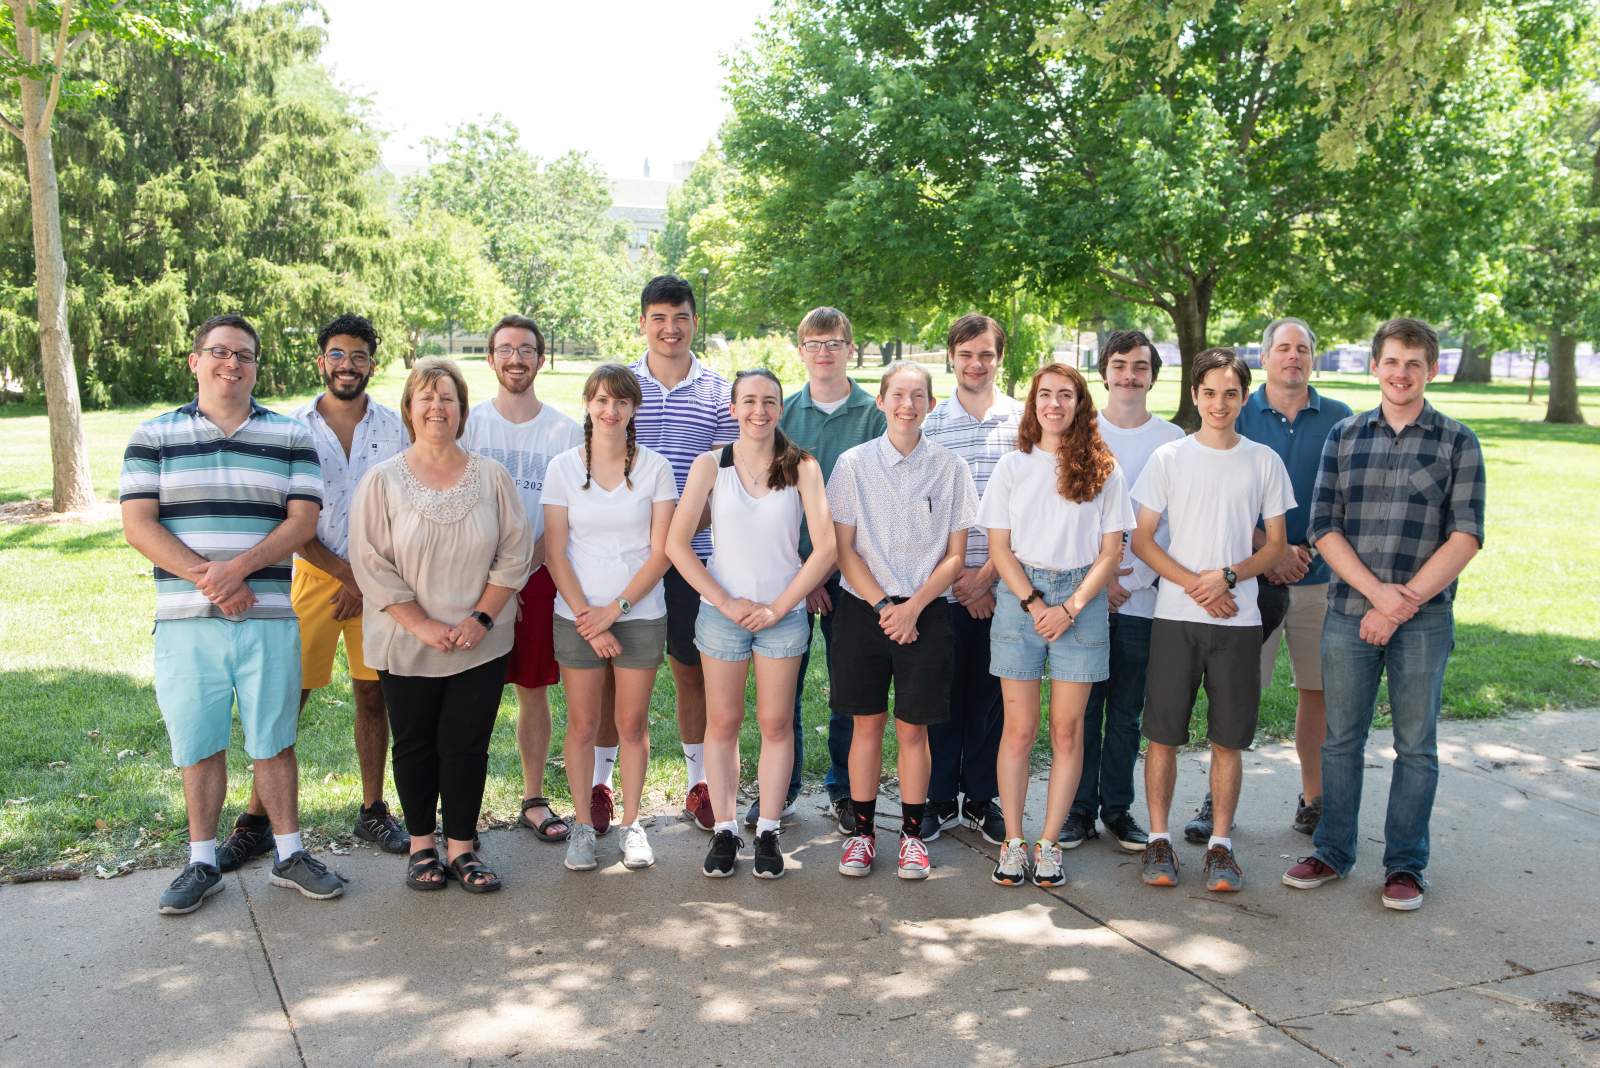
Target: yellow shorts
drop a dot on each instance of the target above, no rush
(312, 595)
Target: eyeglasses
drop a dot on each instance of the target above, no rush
(834, 346)
(358, 360)
(221, 352)
(505, 352)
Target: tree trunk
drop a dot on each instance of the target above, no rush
(1563, 406)
(71, 490)
(1476, 365)
(1192, 312)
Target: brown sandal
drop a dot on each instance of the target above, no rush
(542, 828)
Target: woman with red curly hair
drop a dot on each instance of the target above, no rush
(1056, 510)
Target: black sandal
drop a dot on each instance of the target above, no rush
(542, 828)
(425, 863)
(465, 867)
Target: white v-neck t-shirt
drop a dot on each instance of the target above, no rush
(524, 449)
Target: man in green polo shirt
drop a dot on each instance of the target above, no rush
(827, 416)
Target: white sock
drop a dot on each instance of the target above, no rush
(288, 844)
(1218, 840)
(1161, 836)
(203, 852)
(730, 826)
(605, 762)
(694, 755)
(763, 825)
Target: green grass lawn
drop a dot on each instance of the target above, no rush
(84, 771)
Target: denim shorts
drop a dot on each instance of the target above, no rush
(203, 665)
(1081, 654)
(720, 638)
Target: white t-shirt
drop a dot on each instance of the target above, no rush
(1213, 498)
(524, 449)
(1132, 448)
(1047, 530)
(608, 533)
(829, 407)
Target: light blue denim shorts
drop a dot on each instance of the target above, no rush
(720, 638)
(202, 665)
(1081, 654)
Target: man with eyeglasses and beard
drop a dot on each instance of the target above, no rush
(523, 434)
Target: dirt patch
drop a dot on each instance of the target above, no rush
(38, 511)
(1582, 1013)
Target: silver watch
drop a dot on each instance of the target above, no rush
(624, 606)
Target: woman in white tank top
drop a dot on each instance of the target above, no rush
(752, 603)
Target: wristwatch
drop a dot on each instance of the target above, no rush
(1032, 597)
(881, 605)
(1229, 577)
(624, 606)
(485, 620)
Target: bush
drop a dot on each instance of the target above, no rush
(775, 352)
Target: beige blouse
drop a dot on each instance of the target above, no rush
(438, 548)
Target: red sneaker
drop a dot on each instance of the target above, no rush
(600, 805)
(1309, 874)
(913, 857)
(859, 852)
(697, 806)
(1402, 891)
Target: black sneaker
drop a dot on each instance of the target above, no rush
(377, 826)
(986, 818)
(1307, 814)
(1198, 830)
(753, 814)
(769, 858)
(943, 814)
(844, 816)
(1077, 830)
(928, 827)
(1126, 830)
(248, 839)
(189, 890)
(723, 855)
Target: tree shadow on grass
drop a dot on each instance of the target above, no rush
(25, 535)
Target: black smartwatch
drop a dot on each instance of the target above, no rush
(881, 605)
(485, 620)
(1229, 577)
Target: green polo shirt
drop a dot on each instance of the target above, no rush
(826, 435)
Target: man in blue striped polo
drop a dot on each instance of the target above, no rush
(218, 494)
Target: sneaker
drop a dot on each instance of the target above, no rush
(1307, 814)
(305, 873)
(697, 806)
(769, 858)
(246, 841)
(1012, 868)
(1047, 865)
(1160, 864)
(844, 816)
(580, 847)
(377, 826)
(1127, 832)
(752, 815)
(600, 808)
(858, 854)
(1076, 830)
(1402, 891)
(1198, 830)
(942, 814)
(1223, 874)
(913, 857)
(723, 856)
(1309, 874)
(986, 818)
(196, 882)
(928, 828)
(636, 851)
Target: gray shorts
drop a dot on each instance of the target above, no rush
(642, 641)
(1227, 660)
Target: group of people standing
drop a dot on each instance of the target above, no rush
(955, 553)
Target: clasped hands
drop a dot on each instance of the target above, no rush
(224, 585)
(446, 638)
(1393, 604)
(1210, 591)
(1051, 621)
(753, 616)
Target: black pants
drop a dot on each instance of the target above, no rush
(441, 728)
(964, 747)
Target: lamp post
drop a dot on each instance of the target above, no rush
(705, 309)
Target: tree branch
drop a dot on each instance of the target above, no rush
(11, 127)
(1252, 111)
(83, 35)
(61, 52)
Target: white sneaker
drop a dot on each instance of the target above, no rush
(636, 852)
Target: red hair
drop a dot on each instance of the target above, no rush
(1084, 461)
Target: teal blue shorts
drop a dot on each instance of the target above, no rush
(203, 665)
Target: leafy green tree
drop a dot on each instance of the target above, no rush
(706, 186)
(444, 278)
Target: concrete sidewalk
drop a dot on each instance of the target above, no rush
(667, 967)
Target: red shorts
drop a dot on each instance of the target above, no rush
(533, 651)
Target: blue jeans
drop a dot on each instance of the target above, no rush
(1106, 786)
(1414, 660)
(964, 747)
(840, 728)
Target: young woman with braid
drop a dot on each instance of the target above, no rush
(752, 603)
(1056, 510)
(607, 506)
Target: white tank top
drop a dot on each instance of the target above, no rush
(755, 540)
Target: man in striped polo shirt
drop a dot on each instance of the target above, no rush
(218, 495)
(687, 409)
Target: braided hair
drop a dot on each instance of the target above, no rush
(621, 383)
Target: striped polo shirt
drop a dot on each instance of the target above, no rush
(981, 443)
(682, 422)
(220, 494)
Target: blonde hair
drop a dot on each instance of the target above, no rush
(905, 365)
(428, 370)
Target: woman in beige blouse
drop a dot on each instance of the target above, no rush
(440, 545)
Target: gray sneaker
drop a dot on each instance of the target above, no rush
(307, 874)
(580, 848)
(753, 813)
(189, 890)
(636, 851)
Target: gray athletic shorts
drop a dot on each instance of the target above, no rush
(1226, 660)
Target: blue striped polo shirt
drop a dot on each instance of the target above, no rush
(682, 422)
(220, 494)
